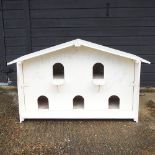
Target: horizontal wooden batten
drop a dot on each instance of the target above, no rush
(98, 32)
(88, 4)
(82, 22)
(148, 68)
(101, 40)
(136, 49)
(16, 50)
(13, 14)
(147, 76)
(92, 22)
(46, 14)
(13, 4)
(18, 4)
(14, 23)
(115, 12)
(18, 41)
(20, 32)
(147, 83)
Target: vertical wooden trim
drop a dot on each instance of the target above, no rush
(107, 9)
(28, 25)
(20, 85)
(136, 90)
(3, 61)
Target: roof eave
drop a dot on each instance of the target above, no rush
(77, 43)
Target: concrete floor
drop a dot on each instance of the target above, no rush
(76, 137)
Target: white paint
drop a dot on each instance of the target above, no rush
(78, 43)
(99, 82)
(58, 82)
(20, 81)
(121, 78)
(136, 90)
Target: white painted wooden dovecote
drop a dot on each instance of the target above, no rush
(78, 80)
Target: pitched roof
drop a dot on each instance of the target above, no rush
(78, 43)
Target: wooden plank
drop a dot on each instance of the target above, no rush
(68, 13)
(132, 12)
(92, 32)
(136, 49)
(147, 76)
(78, 32)
(83, 13)
(14, 23)
(20, 32)
(20, 41)
(13, 14)
(66, 4)
(13, 5)
(19, 50)
(80, 22)
(147, 83)
(37, 48)
(132, 3)
(90, 22)
(41, 4)
(148, 68)
(107, 41)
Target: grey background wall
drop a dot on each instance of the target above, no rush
(30, 25)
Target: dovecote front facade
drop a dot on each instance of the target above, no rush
(78, 80)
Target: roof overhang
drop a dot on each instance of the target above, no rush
(78, 43)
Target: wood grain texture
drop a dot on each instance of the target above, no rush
(37, 24)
